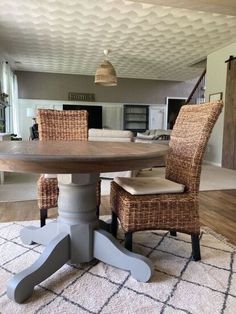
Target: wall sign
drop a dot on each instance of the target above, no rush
(81, 96)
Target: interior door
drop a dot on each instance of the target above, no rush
(229, 135)
(174, 104)
(156, 118)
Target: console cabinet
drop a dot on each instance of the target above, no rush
(136, 117)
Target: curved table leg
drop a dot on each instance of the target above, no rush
(44, 235)
(108, 250)
(75, 238)
(56, 254)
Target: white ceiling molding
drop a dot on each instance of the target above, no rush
(148, 40)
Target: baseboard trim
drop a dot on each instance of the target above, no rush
(211, 163)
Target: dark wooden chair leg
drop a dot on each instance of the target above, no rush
(196, 247)
(114, 224)
(173, 233)
(128, 240)
(43, 217)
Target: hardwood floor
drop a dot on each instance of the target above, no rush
(217, 211)
(28, 210)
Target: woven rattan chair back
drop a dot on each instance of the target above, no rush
(64, 125)
(60, 125)
(188, 142)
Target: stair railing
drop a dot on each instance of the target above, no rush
(197, 94)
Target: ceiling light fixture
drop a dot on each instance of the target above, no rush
(106, 74)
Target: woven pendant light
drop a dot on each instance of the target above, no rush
(106, 74)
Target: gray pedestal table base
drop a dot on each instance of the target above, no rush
(76, 237)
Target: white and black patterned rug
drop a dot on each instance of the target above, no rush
(179, 285)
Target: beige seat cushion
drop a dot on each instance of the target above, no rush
(109, 139)
(112, 134)
(153, 185)
(50, 176)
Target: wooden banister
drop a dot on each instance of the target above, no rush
(196, 86)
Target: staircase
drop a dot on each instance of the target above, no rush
(197, 95)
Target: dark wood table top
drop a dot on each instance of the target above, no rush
(77, 156)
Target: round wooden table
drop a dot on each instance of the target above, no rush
(77, 235)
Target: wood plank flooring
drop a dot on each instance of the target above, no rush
(217, 211)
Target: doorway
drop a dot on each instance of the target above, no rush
(173, 107)
(229, 135)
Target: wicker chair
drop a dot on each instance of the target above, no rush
(170, 211)
(59, 125)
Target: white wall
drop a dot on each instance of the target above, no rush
(216, 82)
(112, 113)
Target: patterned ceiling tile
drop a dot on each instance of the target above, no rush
(227, 7)
(147, 40)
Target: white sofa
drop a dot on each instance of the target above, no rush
(107, 135)
(154, 136)
(158, 136)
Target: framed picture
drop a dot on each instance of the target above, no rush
(215, 96)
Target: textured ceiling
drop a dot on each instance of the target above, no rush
(147, 40)
(227, 7)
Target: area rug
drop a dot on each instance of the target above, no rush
(179, 285)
